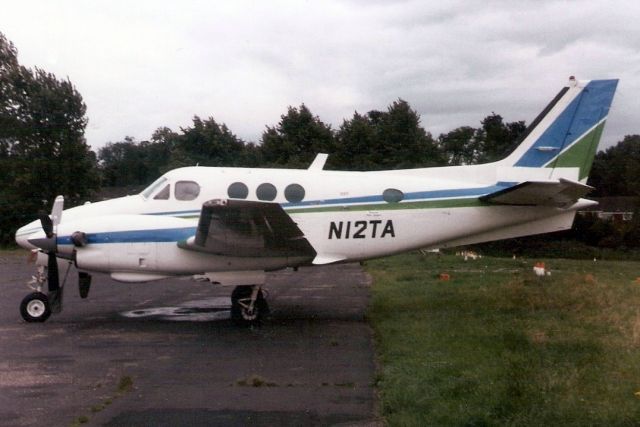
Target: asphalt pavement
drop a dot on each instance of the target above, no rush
(165, 353)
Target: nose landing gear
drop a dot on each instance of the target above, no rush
(35, 307)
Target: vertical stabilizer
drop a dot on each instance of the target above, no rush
(567, 132)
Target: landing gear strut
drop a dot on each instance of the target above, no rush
(248, 305)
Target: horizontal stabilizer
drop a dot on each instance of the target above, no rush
(561, 193)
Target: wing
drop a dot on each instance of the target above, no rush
(562, 193)
(247, 229)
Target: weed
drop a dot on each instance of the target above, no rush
(83, 419)
(255, 381)
(347, 385)
(125, 384)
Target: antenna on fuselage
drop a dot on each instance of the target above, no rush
(319, 161)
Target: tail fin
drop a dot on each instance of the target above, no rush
(567, 132)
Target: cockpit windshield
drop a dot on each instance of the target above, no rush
(153, 187)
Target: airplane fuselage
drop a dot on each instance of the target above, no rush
(346, 216)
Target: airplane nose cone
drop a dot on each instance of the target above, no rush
(27, 232)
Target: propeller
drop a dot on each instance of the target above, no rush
(49, 246)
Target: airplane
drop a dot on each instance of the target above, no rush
(231, 225)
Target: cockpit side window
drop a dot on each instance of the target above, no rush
(164, 193)
(153, 187)
(186, 190)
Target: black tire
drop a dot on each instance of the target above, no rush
(35, 307)
(239, 314)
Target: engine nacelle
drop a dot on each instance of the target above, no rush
(125, 243)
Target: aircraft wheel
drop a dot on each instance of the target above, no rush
(35, 307)
(241, 311)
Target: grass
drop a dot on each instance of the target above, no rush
(496, 345)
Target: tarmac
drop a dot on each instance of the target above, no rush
(165, 353)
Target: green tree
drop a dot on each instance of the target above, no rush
(497, 139)
(124, 163)
(42, 147)
(460, 146)
(207, 143)
(296, 139)
(393, 139)
(158, 151)
(354, 143)
(616, 171)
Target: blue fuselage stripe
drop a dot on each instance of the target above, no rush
(136, 236)
(179, 234)
(419, 195)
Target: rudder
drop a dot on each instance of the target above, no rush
(567, 132)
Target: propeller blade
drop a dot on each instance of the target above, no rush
(47, 225)
(52, 273)
(46, 244)
(56, 211)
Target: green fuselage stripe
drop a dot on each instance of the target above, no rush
(420, 204)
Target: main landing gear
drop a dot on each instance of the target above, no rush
(248, 305)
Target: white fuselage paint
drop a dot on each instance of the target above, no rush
(342, 215)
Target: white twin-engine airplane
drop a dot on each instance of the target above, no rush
(234, 224)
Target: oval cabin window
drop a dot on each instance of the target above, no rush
(266, 191)
(391, 195)
(238, 190)
(294, 193)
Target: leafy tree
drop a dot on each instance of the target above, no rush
(42, 147)
(205, 143)
(460, 146)
(208, 144)
(392, 139)
(616, 171)
(494, 140)
(158, 151)
(296, 139)
(407, 143)
(498, 139)
(123, 163)
(354, 144)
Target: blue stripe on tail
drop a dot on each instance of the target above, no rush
(583, 113)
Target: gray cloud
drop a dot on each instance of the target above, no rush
(141, 65)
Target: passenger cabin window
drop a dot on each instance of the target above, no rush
(186, 190)
(391, 195)
(153, 187)
(266, 192)
(164, 193)
(238, 190)
(294, 193)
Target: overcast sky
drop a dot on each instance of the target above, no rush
(140, 65)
